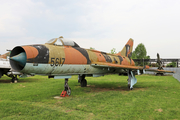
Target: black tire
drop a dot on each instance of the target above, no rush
(1, 74)
(13, 79)
(84, 83)
(129, 87)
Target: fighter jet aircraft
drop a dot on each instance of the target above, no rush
(5, 68)
(4, 65)
(62, 58)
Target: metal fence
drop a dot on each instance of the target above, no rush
(176, 75)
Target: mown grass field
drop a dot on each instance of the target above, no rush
(153, 97)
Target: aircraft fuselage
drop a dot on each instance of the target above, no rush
(64, 60)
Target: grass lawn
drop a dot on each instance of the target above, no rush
(153, 97)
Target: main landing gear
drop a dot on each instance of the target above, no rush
(14, 79)
(82, 80)
(67, 89)
(159, 74)
(131, 79)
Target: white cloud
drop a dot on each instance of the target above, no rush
(13, 14)
(99, 24)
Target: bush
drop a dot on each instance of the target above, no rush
(172, 64)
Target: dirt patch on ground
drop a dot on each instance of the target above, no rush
(159, 110)
(5, 81)
(19, 81)
(58, 97)
(68, 111)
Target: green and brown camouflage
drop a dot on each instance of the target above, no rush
(59, 52)
(61, 58)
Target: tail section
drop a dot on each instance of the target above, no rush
(127, 50)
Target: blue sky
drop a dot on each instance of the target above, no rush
(101, 24)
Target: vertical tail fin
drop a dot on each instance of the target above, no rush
(127, 50)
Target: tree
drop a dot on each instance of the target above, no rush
(113, 51)
(140, 53)
(92, 48)
(172, 64)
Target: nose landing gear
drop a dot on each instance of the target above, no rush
(14, 79)
(67, 89)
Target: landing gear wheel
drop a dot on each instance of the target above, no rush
(159, 74)
(69, 91)
(84, 83)
(130, 88)
(14, 80)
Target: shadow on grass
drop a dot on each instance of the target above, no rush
(114, 87)
(5, 81)
(19, 81)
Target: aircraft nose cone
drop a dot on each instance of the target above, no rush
(20, 58)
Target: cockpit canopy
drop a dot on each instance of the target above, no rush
(62, 42)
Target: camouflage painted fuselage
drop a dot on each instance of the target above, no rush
(50, 59)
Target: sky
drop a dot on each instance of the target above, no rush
(100, 24)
